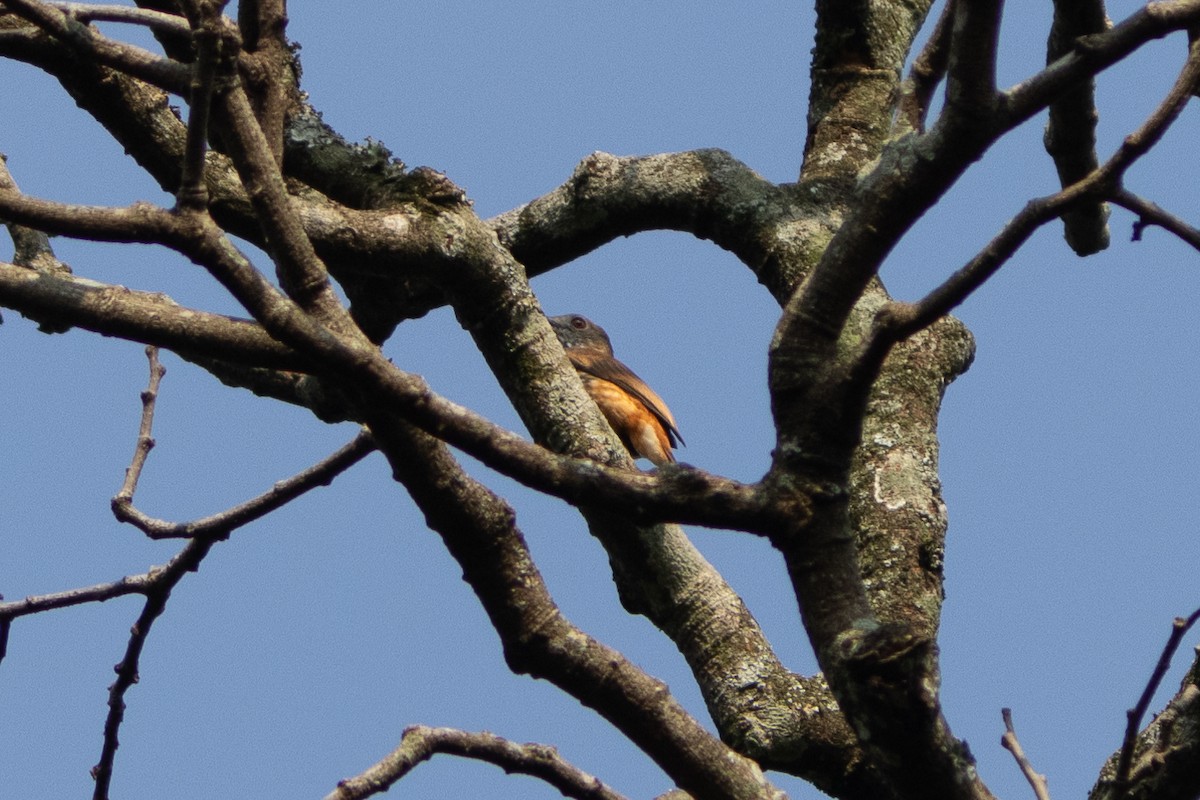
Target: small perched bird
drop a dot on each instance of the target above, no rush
(635, 412)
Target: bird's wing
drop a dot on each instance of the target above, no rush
(610, 369)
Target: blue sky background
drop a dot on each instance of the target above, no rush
(309, 641)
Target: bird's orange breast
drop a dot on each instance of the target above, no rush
(639, 428)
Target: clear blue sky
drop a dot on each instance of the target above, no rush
(309, 641)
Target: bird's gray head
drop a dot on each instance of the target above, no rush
(577, 331)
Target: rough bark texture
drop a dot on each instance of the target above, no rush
(852, 499)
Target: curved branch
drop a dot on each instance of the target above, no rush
(157, 21)
(705, 192)
(219, 526)
(420, 743)
(134, 61)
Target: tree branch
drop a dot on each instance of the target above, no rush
(1071, 130)
(420, 743)
(479, 530)
(1150, 214)
(157, 592)
(1135, 715)
(928, 70)
(134, 61)
(971, 69)
(219, 526)
(157, 21)
(896, 321)
(193, 193)
(62, 302)
(1013, 745)
(1092, 54)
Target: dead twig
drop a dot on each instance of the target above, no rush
(1134, 716)
(1041, 789)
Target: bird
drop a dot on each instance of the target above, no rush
(634, 411)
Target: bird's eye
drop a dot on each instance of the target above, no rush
(578, 323)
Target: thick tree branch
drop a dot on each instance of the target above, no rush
(971, 69)
(1071, 130)
(860, 52)
(420, 743)
(480, 532)
(157, 21)
(62, 302)
(134, 61)
(193, 193)
(705, 192)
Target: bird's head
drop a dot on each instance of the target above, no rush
(577, 331)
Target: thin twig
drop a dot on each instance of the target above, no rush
(219, 526)
(188, 560)
(419, 743)
(1179, 627)
(35, 604)
(1041, 789)
(1150, 213)
(145, 441)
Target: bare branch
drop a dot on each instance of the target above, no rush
(1135, 715)
(898, 320)
(1150, 214)
(220, 525)
(36, 604)
(62, 302)
(971, 71)
(31, 247)
(157, 594)
(928, 70)
(193, 193)
(1013, 745)
(157, 21)
(135, 61)
(145, 442)
(420, 743)
(706, 192)
(1092, 54)
(480, 531)
(1071, 130)
(301, 272)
